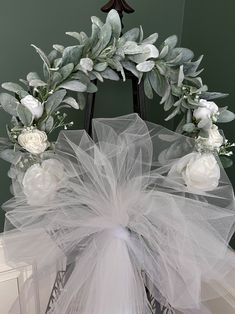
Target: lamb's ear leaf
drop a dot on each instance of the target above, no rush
(114, 20)
(15, 88)
(55, 100)
(25, 115)
(9, 104)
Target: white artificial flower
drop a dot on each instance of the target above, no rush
(207, 110)
(33, 140)
(34, 106)
(41, 181)
(200, 172)
(214, 140)
(86, 64)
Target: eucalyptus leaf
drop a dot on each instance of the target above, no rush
(9, 103)
(226, 116)
(74, 85)
(71, 102)
(54, 101)
(25, 115)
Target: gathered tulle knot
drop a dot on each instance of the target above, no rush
(121, 233)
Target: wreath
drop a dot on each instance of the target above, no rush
(169, 71)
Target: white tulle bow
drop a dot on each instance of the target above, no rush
(126, 227)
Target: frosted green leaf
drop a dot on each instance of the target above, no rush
(72, 54)
(114, 20)
(151, 39)
(226, 116)
(9, 103)
(110, 75)
(74, 86)
(71, 102)
(14, 88)
(147, 88)
(25, 115)
(145, 66)
(54, 101)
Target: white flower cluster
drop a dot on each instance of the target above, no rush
(205, 115)
(199, 171)
(33, 140)
(41, 181)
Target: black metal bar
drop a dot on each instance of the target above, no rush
(138, 97)
(89, 111)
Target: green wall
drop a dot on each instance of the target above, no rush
(209, 30)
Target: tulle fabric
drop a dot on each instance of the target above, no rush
(124, 224)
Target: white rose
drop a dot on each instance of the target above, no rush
(200, 172)
(41, 181)
(34, 106)
(214, 140)
(206, 110)
(33, 140)
(86, 64)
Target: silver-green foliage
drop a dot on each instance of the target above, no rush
(169, 71)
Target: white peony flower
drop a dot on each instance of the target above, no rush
(214, 141)
(33, 140)
(41, 181)
(34, 106)
(200, 172)
(86, 64)
(207, 110)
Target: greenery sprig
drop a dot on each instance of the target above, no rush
(169, 71)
